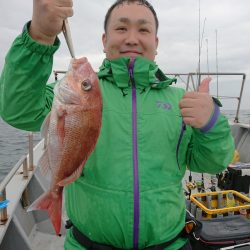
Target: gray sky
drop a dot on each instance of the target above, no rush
(178, 36)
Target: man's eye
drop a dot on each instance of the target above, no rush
(121, 28)
(144, 30)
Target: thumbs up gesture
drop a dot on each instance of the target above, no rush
(197, 107)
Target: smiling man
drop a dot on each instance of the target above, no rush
(130, 193)
(130, 31)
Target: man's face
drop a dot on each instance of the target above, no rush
(131, 32)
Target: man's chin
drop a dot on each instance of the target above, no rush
(134, 56)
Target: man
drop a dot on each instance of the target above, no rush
(130, 193)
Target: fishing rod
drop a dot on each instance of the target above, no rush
(67, 35)
(207, 59)
(200, 42)
(217, 78)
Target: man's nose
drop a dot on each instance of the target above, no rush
(132, 38)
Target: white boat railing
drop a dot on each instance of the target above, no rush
(26, 161)
(191, 82)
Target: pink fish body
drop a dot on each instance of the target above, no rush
(72, 129)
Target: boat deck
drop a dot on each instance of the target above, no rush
(43, 238)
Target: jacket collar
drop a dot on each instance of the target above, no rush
(146, 73)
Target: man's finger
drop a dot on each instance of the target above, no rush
(189, 121)
(187, 103)
(187, 112)
(190, 95)
(204, 86)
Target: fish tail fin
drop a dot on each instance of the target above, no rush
(53, 204)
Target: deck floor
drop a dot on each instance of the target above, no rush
(43, 236)
(45, 241)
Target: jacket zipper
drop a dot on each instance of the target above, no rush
(183, 128)
(135, 157)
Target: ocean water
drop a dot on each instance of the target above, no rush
(14, 142)
(13, 145)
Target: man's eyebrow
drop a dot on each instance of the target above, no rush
(123, 20)
(127, 20)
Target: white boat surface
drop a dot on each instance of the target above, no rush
(24, 230)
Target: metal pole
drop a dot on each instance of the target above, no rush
(31, 164)
(25, 168)
(239, 99)
(25, 198)
(194, 87)
(188, 79)
(3, 211)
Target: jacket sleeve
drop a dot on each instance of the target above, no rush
(211, 151)
(25, 98)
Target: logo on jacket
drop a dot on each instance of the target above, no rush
(163, 105)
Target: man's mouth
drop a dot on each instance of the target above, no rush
(131, 53)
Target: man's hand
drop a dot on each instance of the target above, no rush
(47, 19)
(197, 107)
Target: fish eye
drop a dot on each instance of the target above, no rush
(86, 85)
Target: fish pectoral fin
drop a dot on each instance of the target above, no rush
(45, 126)
(75, 175)
(60, 125)
(62, 111)
(44, 163)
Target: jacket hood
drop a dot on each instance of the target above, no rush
(146, 73)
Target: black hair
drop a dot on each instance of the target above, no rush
(140, 2)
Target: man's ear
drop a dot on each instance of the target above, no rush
(104, 41)
(156, 41)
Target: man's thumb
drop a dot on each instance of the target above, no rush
(204, 86)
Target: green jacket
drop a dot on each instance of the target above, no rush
(131, 186)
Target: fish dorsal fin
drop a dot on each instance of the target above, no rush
(43, 163)
(45, 126)
(75, 175)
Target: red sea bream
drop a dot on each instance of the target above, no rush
(72, 129)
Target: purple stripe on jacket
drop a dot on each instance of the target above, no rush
(212, 120)
(135, 158)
